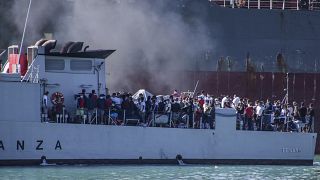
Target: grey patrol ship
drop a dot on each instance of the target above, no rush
(26, 138)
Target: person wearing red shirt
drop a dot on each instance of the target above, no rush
(248, 112)
(201, 102)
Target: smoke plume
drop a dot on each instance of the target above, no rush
(155, 40)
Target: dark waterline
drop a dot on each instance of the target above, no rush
(163, 172)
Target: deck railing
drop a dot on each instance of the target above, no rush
(271, 4)
(193, 120)
(5, 63)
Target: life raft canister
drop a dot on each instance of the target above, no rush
(57, 98)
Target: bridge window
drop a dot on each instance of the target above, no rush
(54, 64)
(81, 65)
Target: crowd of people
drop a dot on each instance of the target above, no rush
(166, 111)
(273, 116)
(186, 110)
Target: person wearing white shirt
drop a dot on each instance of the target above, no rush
(259, 113)
(235, 101)
(208, 99)
(223, 101)
(45, 106)
(142, 108)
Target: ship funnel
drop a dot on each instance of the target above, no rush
(76, 47)
(40, 42)
(66, 46)
(49, 45)
(32, 52)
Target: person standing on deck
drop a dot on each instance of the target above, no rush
(101, 107)
(259, 112)
(302, 114)
(224, 101)
(248, 112)
(142, 109)
(235, 101)
(45, 106)
(311, 117)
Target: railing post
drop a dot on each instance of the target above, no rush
(309, 5)
(248, 4)
(63, 119)
(66, 117)
(270, 4)
(224, 3)
(258, 4)
(193, 120)
(84, 119)
(283, 4)
(312, 125)
(170, 119)
(96, 116)
(109, 113)
(188, 121)
(232, 3)
(153, 119)
(297, 4)
(124, 116)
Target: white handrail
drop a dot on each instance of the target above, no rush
(36, 78)
(309, 5)
(4, 65)
(30, 75)
(2, 52)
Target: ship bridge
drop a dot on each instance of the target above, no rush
(25, 78)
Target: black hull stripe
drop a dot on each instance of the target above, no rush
(35, 162)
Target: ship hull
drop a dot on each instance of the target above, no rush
(26, 143)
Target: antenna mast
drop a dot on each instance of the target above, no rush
(24, 31)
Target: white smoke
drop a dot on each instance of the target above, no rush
(153, 41)
(44, 15)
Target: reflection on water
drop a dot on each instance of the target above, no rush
(163, 172)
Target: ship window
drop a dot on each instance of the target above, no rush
(54, 64)
(81, 65)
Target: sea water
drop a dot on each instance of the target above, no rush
(163, 172)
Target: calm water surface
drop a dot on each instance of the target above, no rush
(163, 172)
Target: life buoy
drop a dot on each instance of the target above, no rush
(57, 98)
